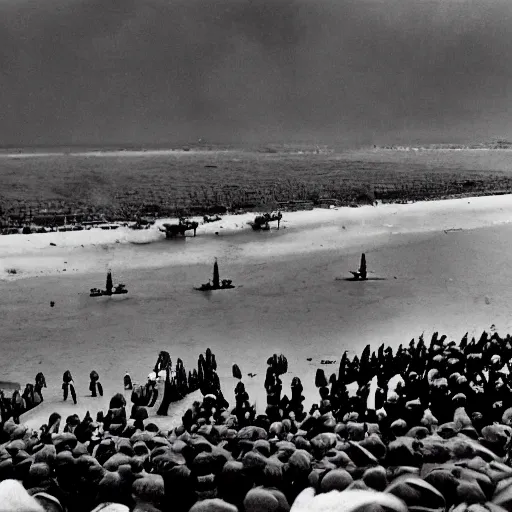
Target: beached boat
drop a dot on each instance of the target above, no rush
(210, 218)
(70, 227)
(361, 274)
(110, 289)
(261, 222)
(217, 284)
(184, 225)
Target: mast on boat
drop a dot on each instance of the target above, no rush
(109, 286)
(216, 277)
(217, 284)
(362, 267)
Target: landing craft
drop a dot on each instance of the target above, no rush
(361, 274)
(184, 225)
(217, 284)
(261, 222)
(109, 288)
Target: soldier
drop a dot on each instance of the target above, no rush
(68, 385)
(95, 384)
(128, 384)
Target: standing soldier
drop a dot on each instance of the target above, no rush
(95, 384)
(68, 385)
(18, 406)
(128, 384)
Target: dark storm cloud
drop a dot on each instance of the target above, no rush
(77, 71)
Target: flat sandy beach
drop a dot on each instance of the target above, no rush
(434, 266)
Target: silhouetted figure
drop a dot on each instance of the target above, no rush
(40, 384)
(216, 277)
(5, 408)
(362, 267)
(68, 385)
(95, 384)
(51, 428)
(30, 397)
(128, 384)
(217, 284)
(109, 285)
(18, 406)
(71, 423)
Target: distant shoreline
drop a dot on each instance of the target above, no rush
(42, 151)
(201, 146)
(114, 224)
(125, 185)
(105, 152)
(499, 146)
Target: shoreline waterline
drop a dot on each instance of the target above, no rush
(301, 232)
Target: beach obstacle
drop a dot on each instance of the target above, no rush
(262, 222)
(361, 274)
(184, 225)
(217, 284)
(207, 219)
(110, 289)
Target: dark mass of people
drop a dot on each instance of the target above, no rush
(423, 428)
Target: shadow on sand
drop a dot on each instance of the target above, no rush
(361, 280)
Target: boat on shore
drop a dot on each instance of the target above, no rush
(217, 284)
(261, 222)
(184, 225)
(110, 289)
(361, 274)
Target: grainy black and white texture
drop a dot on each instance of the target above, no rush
(154, 71)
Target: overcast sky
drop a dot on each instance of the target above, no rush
(357, 71)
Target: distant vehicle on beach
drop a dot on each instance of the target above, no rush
(184, 225)
(207, 218)
(76, 227)
(261, 222)
(10, 231)
(108, 226)
(109, 288)
(142, 223)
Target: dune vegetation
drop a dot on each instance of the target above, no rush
(169, 183)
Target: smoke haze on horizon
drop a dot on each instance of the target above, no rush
(335, 71)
